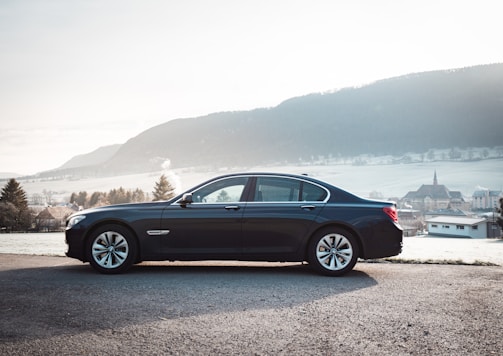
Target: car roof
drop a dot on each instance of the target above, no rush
(273, 174)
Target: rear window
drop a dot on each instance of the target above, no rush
(275, 189)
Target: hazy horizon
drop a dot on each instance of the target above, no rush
(390, 180)
(78, 75)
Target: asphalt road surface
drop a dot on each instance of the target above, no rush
(59, 306)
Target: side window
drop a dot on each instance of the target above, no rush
(222, 191)
(272, 189)
(311, 192)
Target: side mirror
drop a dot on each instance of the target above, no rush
(186, 199)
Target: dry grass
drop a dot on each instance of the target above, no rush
(431, 262)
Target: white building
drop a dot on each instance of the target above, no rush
(454, 226)
(486, 199)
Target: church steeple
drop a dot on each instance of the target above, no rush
(435, 181)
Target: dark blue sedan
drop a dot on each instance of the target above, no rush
(245, 217)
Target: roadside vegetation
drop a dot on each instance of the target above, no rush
(14, 212)
(17, 216)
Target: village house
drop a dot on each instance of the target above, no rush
(433, 197)
(52, 218)
(454, 226)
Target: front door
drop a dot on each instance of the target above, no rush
(210, 227)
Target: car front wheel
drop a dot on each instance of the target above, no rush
(333, 252)
(111, 249)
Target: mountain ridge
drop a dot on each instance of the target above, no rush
(99, 155)
(410, 113)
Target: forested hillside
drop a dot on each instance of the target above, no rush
(413, 113)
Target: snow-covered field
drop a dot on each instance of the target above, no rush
(452, 249)
(391, 180)
(415, 248)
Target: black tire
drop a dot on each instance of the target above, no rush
(333, 251)
(111, 249)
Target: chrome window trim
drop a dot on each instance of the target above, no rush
(245, 175)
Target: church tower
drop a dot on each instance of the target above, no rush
(435, 181)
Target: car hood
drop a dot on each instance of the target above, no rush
(118, 207)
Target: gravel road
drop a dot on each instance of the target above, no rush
(58, 306)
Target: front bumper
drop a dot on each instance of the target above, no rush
(75, 244)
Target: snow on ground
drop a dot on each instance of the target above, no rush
(452, 249)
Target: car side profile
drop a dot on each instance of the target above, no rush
(246, 217)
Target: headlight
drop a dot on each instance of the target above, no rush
(74, 220)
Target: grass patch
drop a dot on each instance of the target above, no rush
(431, 262)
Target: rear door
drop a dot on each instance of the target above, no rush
(279, 215)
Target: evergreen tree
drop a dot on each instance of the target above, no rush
(138, 195)
(8, 216)
(97, 199)
(13, 193)
(163, 190)
(82, 199)
(14, 212)
(79, 199)
(114, 196)
(73, 198)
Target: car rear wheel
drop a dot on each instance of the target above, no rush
(333, 251)
(111, 249)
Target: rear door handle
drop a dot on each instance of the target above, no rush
(232, 207)
(308, 207)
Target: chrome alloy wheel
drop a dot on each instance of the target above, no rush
(334, 251)
(110, 249)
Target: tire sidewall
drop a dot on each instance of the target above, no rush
(313, 259)
(132, 248)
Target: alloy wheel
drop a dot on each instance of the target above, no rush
(334, 251)
(110, 249)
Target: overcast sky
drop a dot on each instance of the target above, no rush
(80, 74)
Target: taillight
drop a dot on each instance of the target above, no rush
(391, 212)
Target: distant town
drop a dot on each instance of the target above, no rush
(431, 209)
(436, 210)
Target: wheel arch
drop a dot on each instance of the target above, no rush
(121, 223)
(342, 226)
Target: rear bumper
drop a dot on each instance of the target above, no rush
(386, 241)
